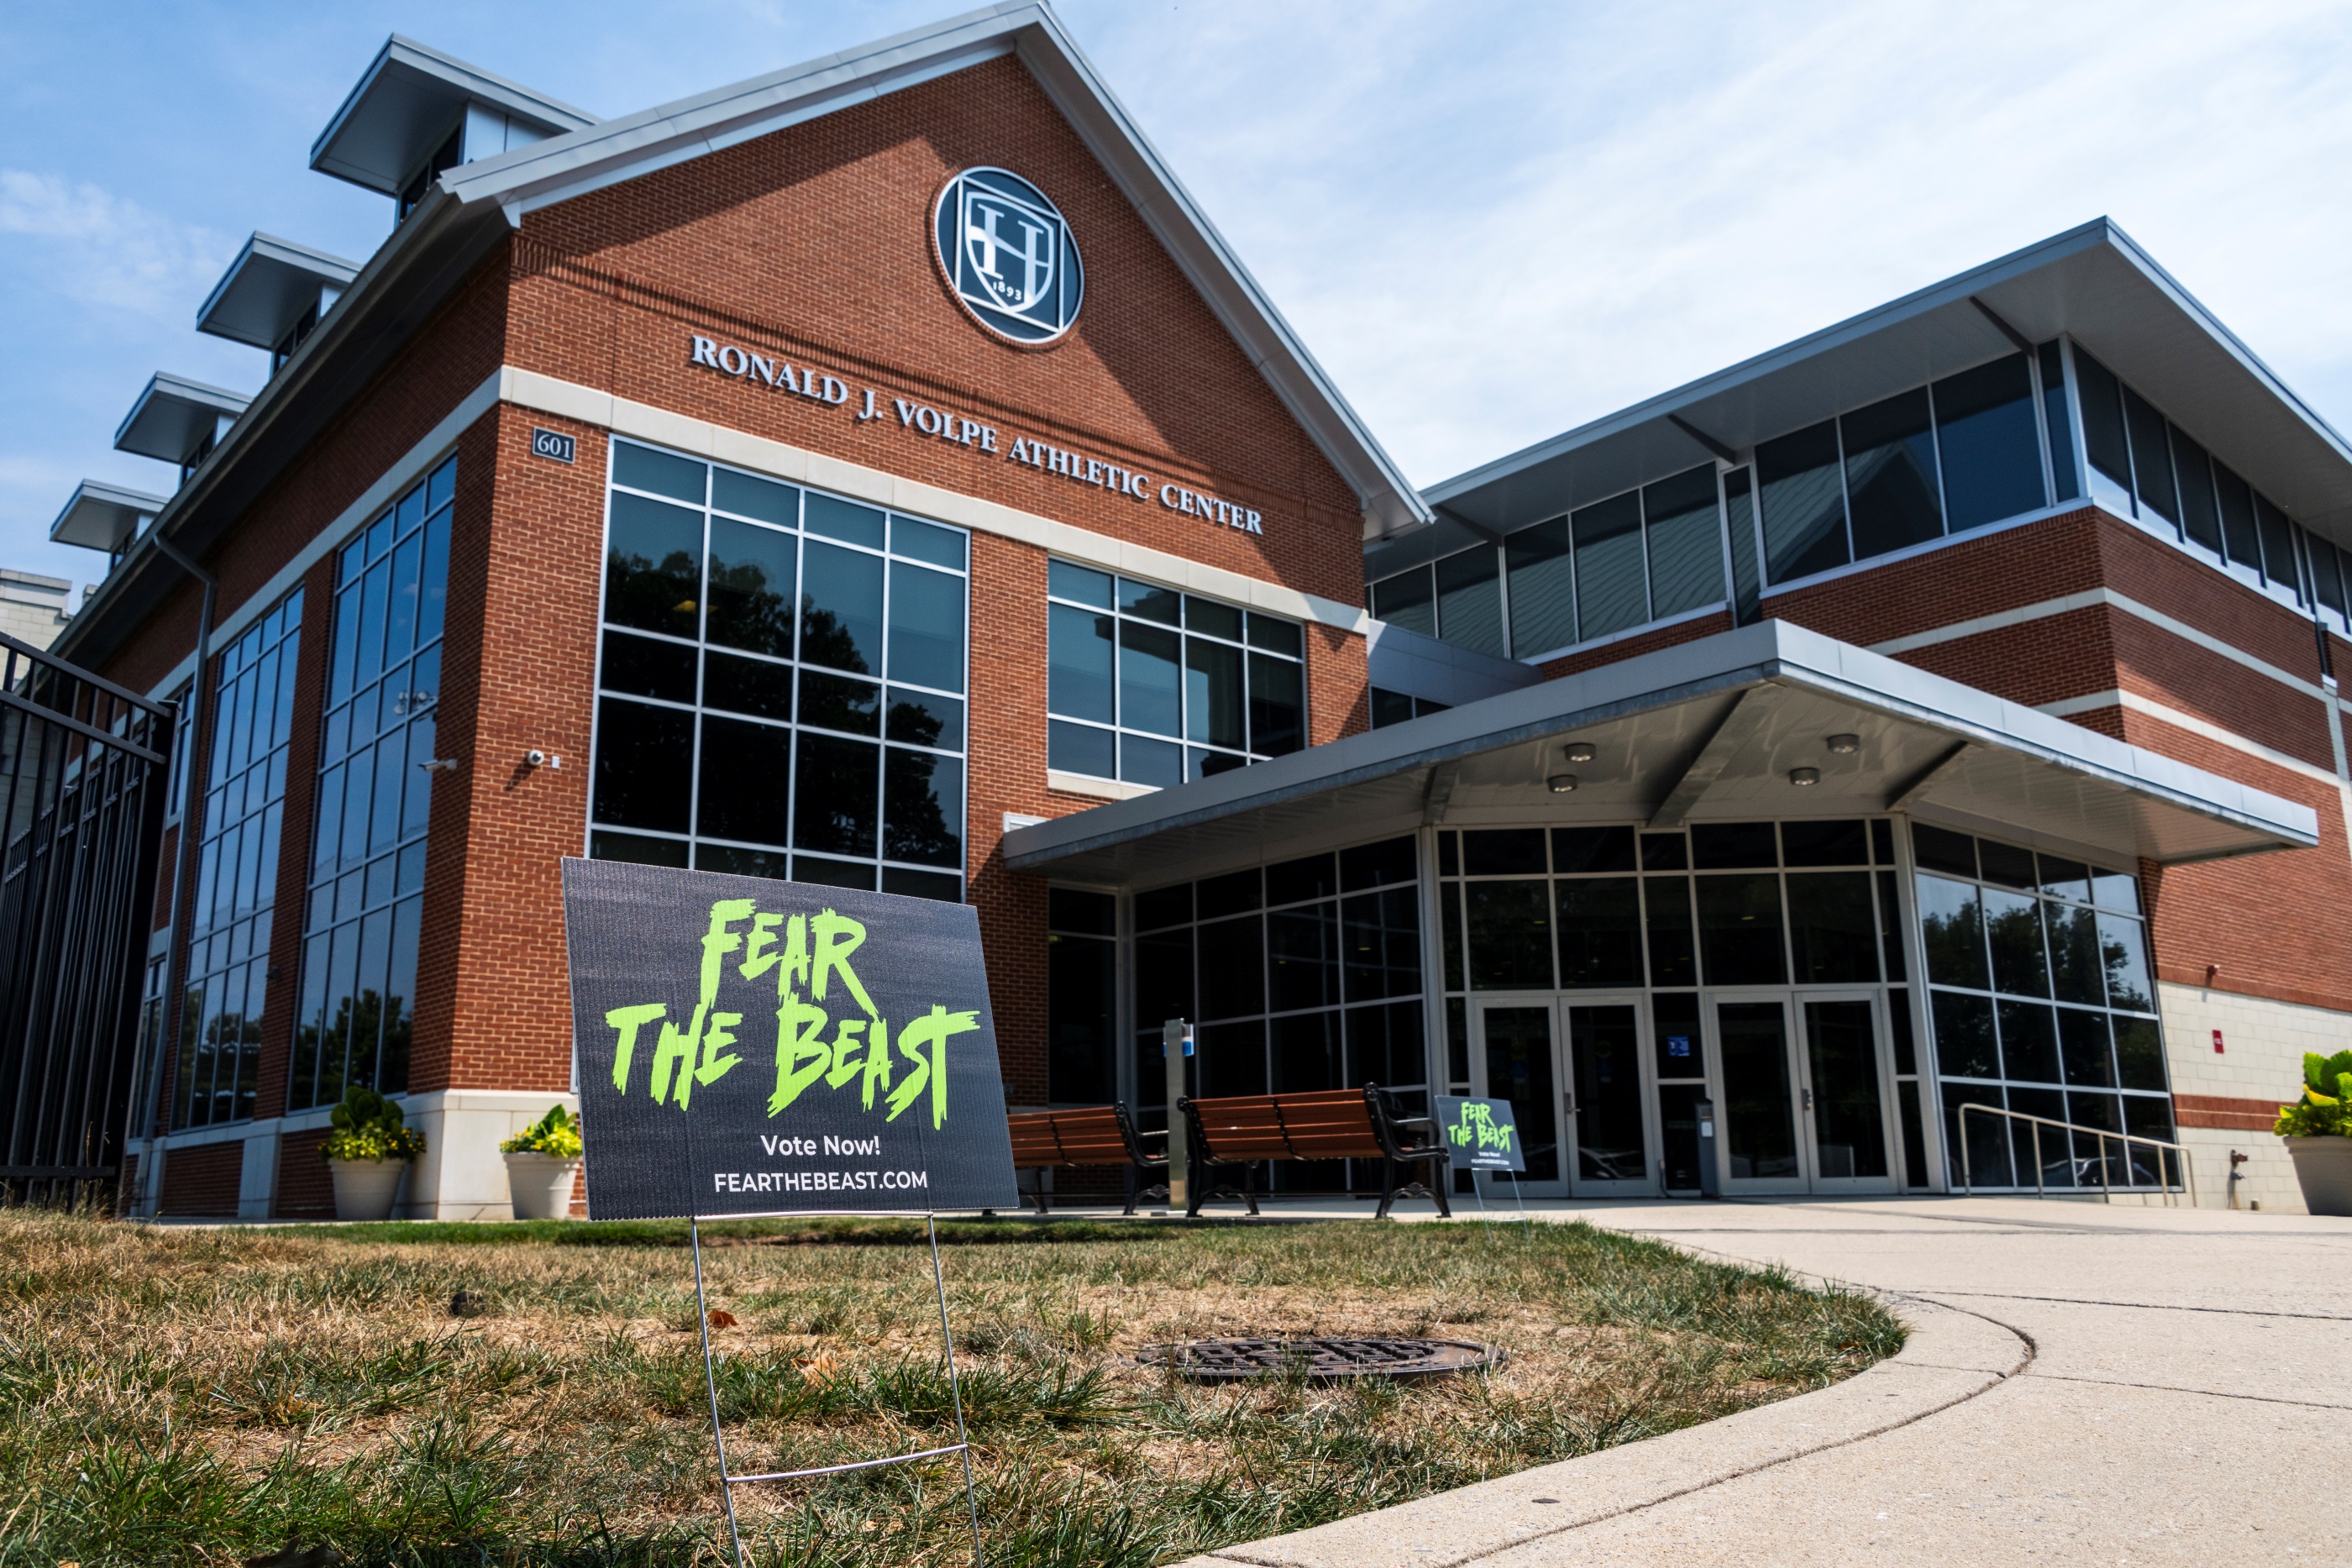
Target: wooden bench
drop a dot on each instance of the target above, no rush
(1094, 1136)
(1325, 1125)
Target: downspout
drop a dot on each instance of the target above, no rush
(175, 978)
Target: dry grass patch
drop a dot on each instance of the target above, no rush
(214, 1396)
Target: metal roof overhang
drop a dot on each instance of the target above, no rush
(267, 287)
(102, 516)
(173, 417)
(407, 100)
(1705, 731)
(2092, 281)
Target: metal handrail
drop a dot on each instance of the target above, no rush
(2107, 1187)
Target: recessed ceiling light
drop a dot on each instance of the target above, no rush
(1845, 745)
(1579, 751)
(1562, 783)
(1802, 777)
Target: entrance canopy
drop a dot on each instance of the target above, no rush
(1712, 730)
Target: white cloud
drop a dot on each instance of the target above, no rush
(95, 248)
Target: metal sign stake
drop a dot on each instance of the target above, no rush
(1176, 1044)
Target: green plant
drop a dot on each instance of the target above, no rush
(554, 1133)
(2320, 1115)
(367, 1126)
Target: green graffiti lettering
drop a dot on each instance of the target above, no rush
(1477, 1125)
(628, 1020)
(848, 1053)
(718, 942)
(721, 1035)
(931, 1030)
(877, 1061)
(837, 937)
(677, 1051)
(801, 1053)
(756, 959)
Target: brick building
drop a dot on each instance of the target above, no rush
(879, 473)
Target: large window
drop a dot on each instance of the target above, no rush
(2042, 1002)
(375, 796)
(1081, 997)
(1151, 686)
(781, 685)
(236, 870)
(1299, 976)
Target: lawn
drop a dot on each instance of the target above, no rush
(429, 1394)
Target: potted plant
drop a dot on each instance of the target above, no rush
(2319, 1136)
(541, 1162)
(368, 1151)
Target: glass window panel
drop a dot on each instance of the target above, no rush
(1081, 1019)
(827, 873)
(2328, 575)
(921, 719)
(1087, 913)
(1591, 850)
(1543, 602)
(2007, 864)
(1729, 846)
(1307, 1054)
(756, 687)
(1890, 929)
(1278, 704)
(2083, 1046)
(1232, 966)
(2139, 1052)
(359, 780)
(2124, 954)
(329, 811)
(744, 767)
(417, 805)
(1229, 894)
(1217, 620)
(1150, 602)
(1079, 659)
(1302, 953)
(1685, 533)
(926, 630)
(2103, 439)
(1510, 935)
(2278, 547)
(1739, 930)
(1371, 865)
(1214, 713)
(2240, 537)
(637, 849)
(1937, 849)
(1380, 943)
(1803, 501)
(2076, 967)
(400, 997)
(1065, 581)
(2054, 415)
(344, 660)
(1157, 763)
(642, 468)
(1611, 590)
(1964, 1038)
(1449, 921)
(2029, 1042)
(752, 587)
(751, 496)
(1664, 852)
(653, 569)
(1503, 852)
(836, 794)
(2199, 517)
(1824, 843)
(2013, 931)
(1277, 635)
(2115, 889)
(1150, 686)
(646, 667)
(773, 864)
(922, 818)
(1233, 1058)
(1163, 907)
(2151, 462)
(1408, 599)
(643, 766)
(1294, 882)
(1673, 952)
(1890, 474)
(1079, 748)
(1833, 928)
(1991, 447)
(1739, 523)
(1951, 926)
(400, 633)
(841, 608)
(844, 520)
(1470, 600)
(1600, 931)
(2065, 879)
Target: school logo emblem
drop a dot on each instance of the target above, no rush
(1008, 256)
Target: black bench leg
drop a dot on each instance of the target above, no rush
(1440, 1176)
(1388, 1187)
(1249, 1187)
(1130, 1189)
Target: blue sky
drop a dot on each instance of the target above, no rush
(1491, 221)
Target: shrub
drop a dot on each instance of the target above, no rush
(367, 1126)
(2320, 1113)
(554, 1133)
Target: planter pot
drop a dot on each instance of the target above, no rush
(2323, 1168)
(541, 1186)
(364, 1188)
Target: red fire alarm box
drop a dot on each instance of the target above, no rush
(2217, 1043)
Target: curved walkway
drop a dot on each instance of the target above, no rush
(2083, 1383)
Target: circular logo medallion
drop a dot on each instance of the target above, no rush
(1007, 254)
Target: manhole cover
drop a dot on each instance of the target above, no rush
(1237, 1360)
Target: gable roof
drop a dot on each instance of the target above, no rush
(587, 160)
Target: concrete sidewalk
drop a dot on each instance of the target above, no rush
(2083, 1383)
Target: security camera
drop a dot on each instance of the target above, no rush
(534, 759)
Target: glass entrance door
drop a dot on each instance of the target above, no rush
(1803, 1104)
(1517, 1054)
(1609, 1144)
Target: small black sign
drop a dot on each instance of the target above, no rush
(1483, 1134)
(757, 1047)
(551, 443)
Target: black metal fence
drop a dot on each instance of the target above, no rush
(83, 767)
